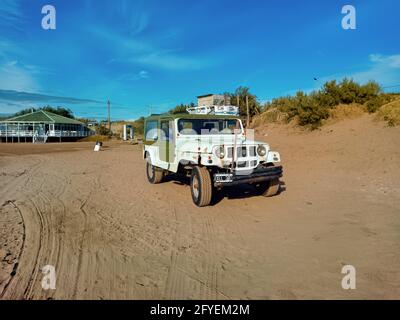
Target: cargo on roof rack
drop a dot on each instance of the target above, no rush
(217, 110)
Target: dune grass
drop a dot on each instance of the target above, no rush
(390, 113)
(95, 138)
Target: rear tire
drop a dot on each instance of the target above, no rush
(269, 188)
(201, 187)
(154, 175)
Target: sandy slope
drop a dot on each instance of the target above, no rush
(110, 234)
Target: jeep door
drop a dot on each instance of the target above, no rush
(167, 141)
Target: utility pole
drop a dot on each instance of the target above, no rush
(109, 119)
(247, 109)
(237, 101)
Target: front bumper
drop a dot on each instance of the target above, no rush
(259, 174)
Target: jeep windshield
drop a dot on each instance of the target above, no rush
(207, 126)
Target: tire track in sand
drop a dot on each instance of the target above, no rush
(18, 283)
(181, 279)
(45, 244)
(21, 249)
(39, 252)
(85, 237)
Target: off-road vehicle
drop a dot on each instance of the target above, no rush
(211, 146)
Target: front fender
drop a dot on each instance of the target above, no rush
(150, 153)
(273, 156)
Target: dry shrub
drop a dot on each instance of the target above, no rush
(390, 113)
(118, 127)
(346, 111)
(95, 138)
(269, 116)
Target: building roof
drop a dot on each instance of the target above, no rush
(42, 116)
(211, 94)
(206, 95)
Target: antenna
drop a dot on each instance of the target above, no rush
(109, 119)
(247, 111)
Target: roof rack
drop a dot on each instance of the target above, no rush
(216, 110)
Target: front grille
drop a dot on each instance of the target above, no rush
(242, 164)
(246, 156)
(241, 152)
(230, 152)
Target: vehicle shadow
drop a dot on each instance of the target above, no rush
(240, 192)
(235, 192)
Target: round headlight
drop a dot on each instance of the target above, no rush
(220, 152)
(261, 151)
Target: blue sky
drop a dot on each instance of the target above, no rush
(142, 54)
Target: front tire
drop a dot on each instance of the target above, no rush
(154, 175)
(201, 187)
(269, 188)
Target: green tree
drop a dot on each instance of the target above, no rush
(242, 92)
(103, 130)
(310, 112)
(65, 112)
(181, 108)
(139, 126)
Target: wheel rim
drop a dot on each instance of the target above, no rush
(195, 186)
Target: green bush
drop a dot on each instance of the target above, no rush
(376, 102)
(312, 108)
(309, 112)
(346, 92)
(138, 125)
(103, 130)
(181, 108)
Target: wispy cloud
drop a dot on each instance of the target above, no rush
(12, 100)
(384, 69)
(143, 74)
(172, 60)
(13, 95)
(14, 76)
(149, 52)
(11, 15)
(127, 77)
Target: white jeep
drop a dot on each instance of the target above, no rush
(212, 149)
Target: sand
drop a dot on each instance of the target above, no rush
(112, 235)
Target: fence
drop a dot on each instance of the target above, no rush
(55, 133)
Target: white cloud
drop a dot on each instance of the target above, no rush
(13, 76)
(143, 74)
(170, 60)
(149, 53)
(11, 15)
(126, 77)
(384, 69)
(140, 25)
